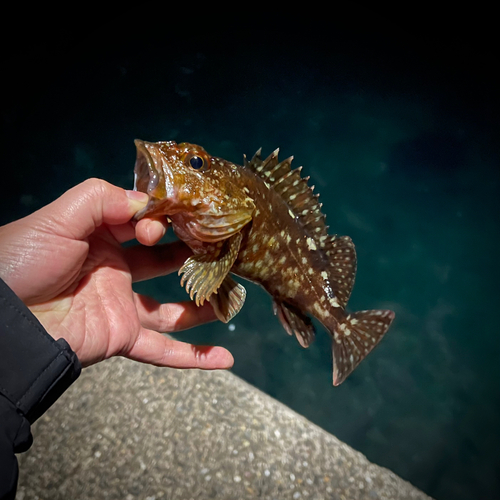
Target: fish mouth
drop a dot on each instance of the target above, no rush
(147, 173)
(148, 177)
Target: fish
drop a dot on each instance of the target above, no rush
(262, 222)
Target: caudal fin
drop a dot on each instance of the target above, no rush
(355, 337)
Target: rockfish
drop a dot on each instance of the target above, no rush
(260, 221)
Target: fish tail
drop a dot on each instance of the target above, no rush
(354, 337)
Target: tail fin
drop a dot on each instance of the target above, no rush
(355, 337)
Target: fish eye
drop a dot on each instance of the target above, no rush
(196, 162)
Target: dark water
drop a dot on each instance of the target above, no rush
(400, 140)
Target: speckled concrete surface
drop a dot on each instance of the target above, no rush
(126, 431)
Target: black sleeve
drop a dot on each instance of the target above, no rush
(34, 371)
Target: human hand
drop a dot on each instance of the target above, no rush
(66, 263)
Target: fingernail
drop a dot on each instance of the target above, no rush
(138, 199)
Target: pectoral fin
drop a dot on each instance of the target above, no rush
(203, 274)
(295, 322)
(228, 300)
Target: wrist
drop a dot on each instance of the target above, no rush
(34, 368)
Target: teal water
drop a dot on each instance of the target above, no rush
(402, 148)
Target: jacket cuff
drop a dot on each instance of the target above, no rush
(34, 368)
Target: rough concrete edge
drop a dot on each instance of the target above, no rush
(143, 378)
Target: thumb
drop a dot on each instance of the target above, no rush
(79, 211)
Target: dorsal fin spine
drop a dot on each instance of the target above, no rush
(283, 178)
(292, 188)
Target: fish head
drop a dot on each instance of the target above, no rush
(183, 180)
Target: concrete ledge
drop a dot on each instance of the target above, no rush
(126, 431)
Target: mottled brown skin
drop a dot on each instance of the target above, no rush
(274, 253)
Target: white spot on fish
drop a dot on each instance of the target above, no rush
(334, 302)
(310, 244)
(320, 310)
(324, 275)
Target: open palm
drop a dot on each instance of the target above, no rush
(66, 262)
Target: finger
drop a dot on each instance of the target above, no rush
(160, 350)
(79, 211)
(149, 262)
(171, 317)
(151, 231)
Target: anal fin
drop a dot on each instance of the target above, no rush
(295, 322)
(228, 300)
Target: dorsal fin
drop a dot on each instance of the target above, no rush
(294, 190)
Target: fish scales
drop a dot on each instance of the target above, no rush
(274, 252)
(262, 222)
